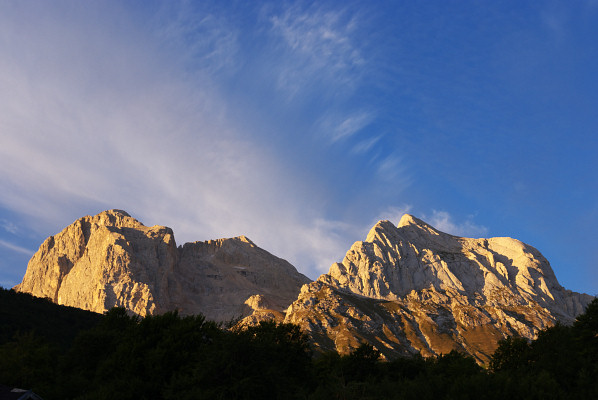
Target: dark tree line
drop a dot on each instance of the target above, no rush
(118, 356)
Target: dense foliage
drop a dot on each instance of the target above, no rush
(24, 313)
(118, 356)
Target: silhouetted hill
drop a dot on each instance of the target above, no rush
(21, 313)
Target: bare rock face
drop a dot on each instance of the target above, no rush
(406, 289)
(112, 259)
(218, 277)
(413, 289)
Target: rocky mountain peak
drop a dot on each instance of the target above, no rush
(408, 220)
(380, 230)
(406, 289)
(112, 259)
(416, 227)
(115, 212)
(412, 288)
(114, 217)
(245, 239)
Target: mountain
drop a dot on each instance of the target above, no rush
(406, 289)
(413, 289)
(112, 259)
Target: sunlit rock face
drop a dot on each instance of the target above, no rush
(112, 259)
(413, 289)
(406, 289)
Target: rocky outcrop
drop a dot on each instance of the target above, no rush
(413, 289)
(112, 259)
(406, 289)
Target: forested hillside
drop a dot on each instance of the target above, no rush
(63, 353)
(22, 313)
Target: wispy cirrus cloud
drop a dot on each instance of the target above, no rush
(16, 248)
(323, 57)
(365, 145)
(342, 127)
(444, 221)
(321, 47)
(351, 125)
(207, 41)
(9, 226)
(98, 118)
(391, 168)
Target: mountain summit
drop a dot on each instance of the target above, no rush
(112, 259)
(414, 289)
(406, 289)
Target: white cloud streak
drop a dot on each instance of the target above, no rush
(320, 47)
(365, 145)
(351, 125)
(444, 222)
(95, 118)
(324, 60)
(392, 169)
(15, 248)
(9, 226)
(205, 40)
(342, 127)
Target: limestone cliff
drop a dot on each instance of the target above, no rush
(112, 259)
(406, 289)
(413, 289)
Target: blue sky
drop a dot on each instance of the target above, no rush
(300, 124)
